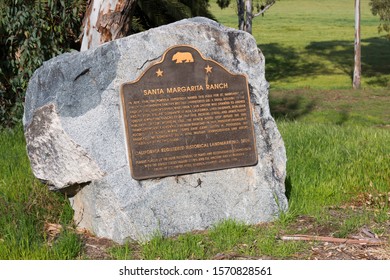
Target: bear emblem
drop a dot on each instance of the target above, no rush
(181, 57)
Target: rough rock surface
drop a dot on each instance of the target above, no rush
(76, 139)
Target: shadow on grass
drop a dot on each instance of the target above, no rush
(288, 186)
(284, 62)
(375, 57)
(343, 116)
(290, 107)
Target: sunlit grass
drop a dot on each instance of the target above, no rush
(330, 164)
(309, 44)
(25, 206)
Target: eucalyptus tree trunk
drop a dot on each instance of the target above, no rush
(241, 14)
(246, 15)
(249, 16)
(106, 20)
(357, 71)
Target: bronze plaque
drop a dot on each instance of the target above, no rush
(187, 114)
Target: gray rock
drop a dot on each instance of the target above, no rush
(56, 159)
(76, 140)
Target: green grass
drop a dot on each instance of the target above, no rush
(224, 240)
(351, 224)
(368, 107)
(25, 206)
(186, 246)
(327, 165)
(309, 44)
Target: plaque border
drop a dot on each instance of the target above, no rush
(125, 123)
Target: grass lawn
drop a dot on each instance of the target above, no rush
(27, 208)
(368, 107)
(309, 44)
(337, 142)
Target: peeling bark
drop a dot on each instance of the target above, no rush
(106, 20)
(246, 15)
(249, 16)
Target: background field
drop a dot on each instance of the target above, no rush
(309, 44)
(337, 143)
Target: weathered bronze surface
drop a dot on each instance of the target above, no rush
(187, 114)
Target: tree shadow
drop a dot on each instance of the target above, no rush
(338, 52)
(290, 106)
(343, 116)
(375, 57)
(288, 186)
(285, 62)
(376, 60)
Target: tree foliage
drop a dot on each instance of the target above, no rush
(32, 31)
(107, 20)
(153, 13)
(223, 3)
(382, 8)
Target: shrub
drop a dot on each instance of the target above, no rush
(32, 32)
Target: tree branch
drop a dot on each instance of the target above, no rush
(362, 241)
(263, 10)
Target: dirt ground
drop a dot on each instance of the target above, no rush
(98, 248)
(343, 251)
(371, 246)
